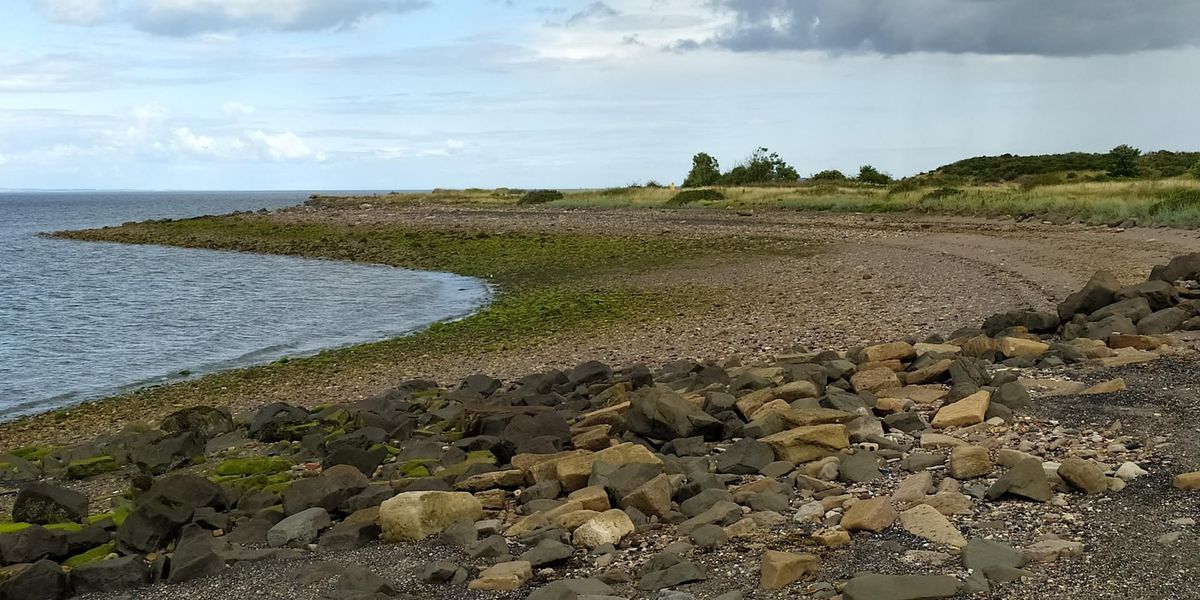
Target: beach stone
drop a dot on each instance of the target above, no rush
(591, 498)
(43, 504)
(547, 552)
(1157, 294)
(709, 536)
(1182, 267)
(969, 462)
(667, 416)
(1163, 321)
(968, 411)
(991, 557)
(1026, 478)
(1011, 394)
(667, 570)
(745, 457)
(356, 581)
(913, 489)
(1100, 291)
(1048, 551)
(874, 380)
(573, 589)
(299, 529)
(329, 490)
(652, 498)
(1188, 481)
(152, 525)
(875, 515)
(860, 467)
(442, 571)
(804, 444)
(900, 587)
(1084, 475)
(1129, 471)
(925, 521)
(574, 470)
(1013, 347)
(1111, 386)
(504, 577)
(205, 421)
(607, 527)
(510, 478)
(194, 556)
(413, 516)
(42, 580)
(720, 513)
(358, 530)
(891, 351)
(781, 569)
(110, 575)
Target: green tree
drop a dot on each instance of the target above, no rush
(705, 171)
(1195, 170)
(762, 166)
(869, 174)
(1123, 161)
(829, 175)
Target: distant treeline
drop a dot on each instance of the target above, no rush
(764, 167)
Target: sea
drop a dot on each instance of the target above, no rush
(85, 320)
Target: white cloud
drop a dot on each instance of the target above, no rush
(234, 110)
(451, 146)
(77, 12)
(200, 144)
(283, 146)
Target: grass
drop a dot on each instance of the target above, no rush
(548, 286)
(1167, 202)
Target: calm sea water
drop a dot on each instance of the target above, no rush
(82, 320)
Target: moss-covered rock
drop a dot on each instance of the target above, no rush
(6, 528)
(90, 467)
(95, 554)
(33, 453)
(260, 465)
(64, 527)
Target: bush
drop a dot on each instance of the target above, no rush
(869, 174)
(691, 196)
(829, 175)
(705, 171)
(941, 193)
(1028, 182)
(1123, 161)
(540, 197)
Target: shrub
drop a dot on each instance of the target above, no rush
(941, 193)
(691, 196)
(869, 174)
(829, 175)
(540, 197)
(705, 171)
(1028, 182)
(1123, 161)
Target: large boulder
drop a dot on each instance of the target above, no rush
(32, 544)
(413, 516)
(1158, 294)
(745, 457)
(42, 580)
(334, 486)
(667, 416)
(1035, 321)
(205, 421)
(804, 444)
(1099, 292)
(195, 556)
(1134, 309)
(607, 527)
(1163, 321)
(110, 575)
(44, 504)
(300, 529)
(1180, 268)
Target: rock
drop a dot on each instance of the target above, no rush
(969, 462)
(1188, 481)
(1011, 394)
(547, 552)
(892, 351)
(573, 471)
(608, 527)
(152, 525)
(194, 556)
(573, 589)
(1130, 471)
(42, 580)
(667, 416)
(860, 467)
(804, 444)
(1084, 475)
(1034, 321)
(968, 411)
(413, 516)
(653, 498)
(669, 570)
(874, 380)
(112, 575)
(504, 577)
(1022, 348)
(205, 421)
(875, 515)
(442, 571)
(709, 536)
(1048, 551)
(991, 558)
(328, 491)
(925, 521)
(745, 457)
(1157, 294)
(358, 530)
(1026, 478)
(1108, 387)
(300, 529)
(1099, 292)
(44, 504)
(1104, 328)
(900, 587)
(1117, 341)
(1180, 268)
(357, 581)
(781, 569)
(1163, 321)
(510, 478)
(913, 489)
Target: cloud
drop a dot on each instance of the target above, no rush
(595, 11)
(1004, 27)
(283, 146)
(199, 144)
(234, 110)
(192, 17)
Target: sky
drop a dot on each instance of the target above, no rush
(417, 94)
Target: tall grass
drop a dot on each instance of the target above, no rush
(1168, 202)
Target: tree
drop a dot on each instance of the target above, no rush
(869, 174)
(705, 171)
(762, 166)
(829, 175)
(1123, 161)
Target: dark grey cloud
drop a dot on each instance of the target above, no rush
(1037, 27)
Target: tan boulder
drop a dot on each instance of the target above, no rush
(968, 411)
(1108, 387)
(803, 444)
(1141, 342)
(935, 441)
(969, 462)
(492, 479)
(922, 348)
(593, 438)
(913, 489)
(1188, 481)
(894, 366)
(653, 498)
(591, 498)
(504, 577)
(574, 519)
(925, 521)
(979, 345)
(874, 380)
(607, 527)
(573, 471)
(892, 351)
(832, 538)
(781, 569)
(875, 515)
(935, 372)
(921, 394)
(413, 516)
(1014, 347)
(950, 503)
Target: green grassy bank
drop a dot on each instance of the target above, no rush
(1167, 202)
